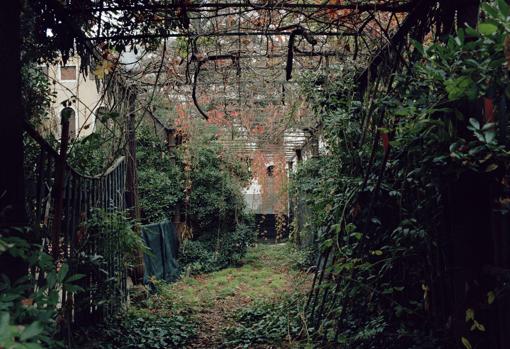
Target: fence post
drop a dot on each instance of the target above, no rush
(58, 186)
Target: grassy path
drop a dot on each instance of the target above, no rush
(266, 274)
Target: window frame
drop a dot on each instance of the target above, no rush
(68, 66)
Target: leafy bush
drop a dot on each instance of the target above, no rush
(94, 154)
(302, 258)
(160, 181)
(28, 306)
(196, 257)
(379, 204)
(271, 323)
(206, 181)
(216, 252)
(232, 247)
(114, 232)
(140, 330)
(91, 155)
(215, 195)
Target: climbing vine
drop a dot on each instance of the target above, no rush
(381, 211)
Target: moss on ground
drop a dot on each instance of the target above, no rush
(265, 273)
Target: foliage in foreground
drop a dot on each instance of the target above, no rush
(134, 329)
(31, 313)
(273, 323)
(28, 306)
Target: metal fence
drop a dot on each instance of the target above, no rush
(98, 257)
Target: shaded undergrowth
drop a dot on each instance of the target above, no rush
(256, 305)
(268, 275)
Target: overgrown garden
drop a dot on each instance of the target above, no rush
(377, 130)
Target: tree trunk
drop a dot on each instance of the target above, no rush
(467, 13)
(131, 175)
(132, 202)
(58, 186)
(12, 189)
(171, 140)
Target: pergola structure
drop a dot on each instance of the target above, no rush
(237, 62)
(255, 49)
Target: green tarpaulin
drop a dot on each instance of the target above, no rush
(162, 240)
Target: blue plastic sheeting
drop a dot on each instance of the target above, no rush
(161, 263)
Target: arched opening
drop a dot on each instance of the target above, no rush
(270, 170)
(70, 115)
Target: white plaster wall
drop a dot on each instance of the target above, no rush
(87, 99)
(252, 196)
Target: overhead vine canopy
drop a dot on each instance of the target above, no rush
(234, 62)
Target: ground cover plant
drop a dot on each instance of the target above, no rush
(141, 329)
(280, 322)
(268, 273)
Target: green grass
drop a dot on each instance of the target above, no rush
(266, 273)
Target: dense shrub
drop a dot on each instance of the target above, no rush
(381, 197)
(196, 257)
(159, 193)
(215, 188)
(113, 232)
(94, 154)
(141, 330)
(29, 311)
(206, 181)
(160, 179)
(212, 252)
(267, 323)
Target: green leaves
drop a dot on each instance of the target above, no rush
(470, 314)
(501, 11)
(74, 277)
(132, 330)
(491, 296)
(4, 324)
(419, 46)
(27, 311)
(268, 322)
(460, 87)
(504, 8)
(32, 330)
(465, 342)
(62, 272)
(487, 29)
(326, 244)
(425, 111)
